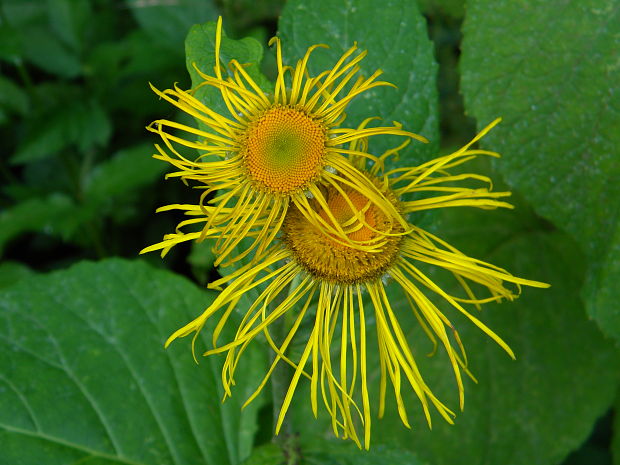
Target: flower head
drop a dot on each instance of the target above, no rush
(270, 151)
(312, 276)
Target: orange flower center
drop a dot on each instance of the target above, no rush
(284, 149)
(333, 260)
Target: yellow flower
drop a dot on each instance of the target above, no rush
(270, 151)
(310, 276)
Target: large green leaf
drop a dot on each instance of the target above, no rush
(540, 407)
(85, 377)
(394, 33)
(551, 70)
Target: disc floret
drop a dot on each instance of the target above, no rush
(284, 150)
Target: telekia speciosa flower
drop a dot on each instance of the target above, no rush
(310, 277)
(269, 152)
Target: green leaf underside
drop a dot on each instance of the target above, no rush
(394, 33)
(85, 377)
(536, 409)
(552, 71)
(200, 53)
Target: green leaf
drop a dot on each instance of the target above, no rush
(84, 124)
(10, 44)
(18, 14)
(85, 377)
(45, 50)
(200, 54)
(12, 97)
(68, 19)
(540, 407)
(552, 72)
(55, 214)
(245, 13)
(167, 23)
(12, 272)
(394, 33)
(114, 182)
(601, 289)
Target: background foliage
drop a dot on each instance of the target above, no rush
(83, 376)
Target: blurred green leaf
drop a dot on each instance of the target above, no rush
(85, 377)
(83, 123)
(68, 19)
(144, 56)
(12, 272)
(167, 22)
(553, 73)
(19, 13)
(394, 33)
(43, 49)
(245, 13)
(12, 98)
(55, 214)
(121, 71)
(113, 181)
(10, 45)
(200, 53)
